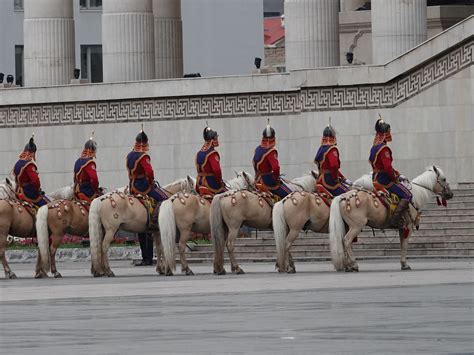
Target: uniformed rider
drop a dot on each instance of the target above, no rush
(86, 182)
(141, 175)
(28, 186)
(209, 174)
(327, 160)
(266, 165)
(384, 174)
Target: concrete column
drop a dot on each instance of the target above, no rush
(128, 40)
(397, 26)
(168, 39)
(312, 33)
(48, 33)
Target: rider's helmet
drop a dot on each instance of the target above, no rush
(211, 137)
(329, 136)
(268, 136)
(382, 130)
(90, 148)
(141, 142)
(29, 152)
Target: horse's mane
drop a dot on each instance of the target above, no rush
(66, 193)
(307, 182)
(429, 177)
(365, 181)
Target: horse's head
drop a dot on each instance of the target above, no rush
(440, 184)
(7, 189)
(191, 184)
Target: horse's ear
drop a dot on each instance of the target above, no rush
(435, 170)
(236, 173)
(315, 174)
(7, 180)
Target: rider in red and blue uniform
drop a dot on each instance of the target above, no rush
(28, 186)
(140, 171)
(384, 174)
(86, 182)
(266, 165)
(327, 160)
(209, 173)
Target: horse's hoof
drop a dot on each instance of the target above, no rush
(239, 271)
(189, 272)
(291, 271)
(12, 276)
(405, 267)
(57, 275)
(41, 275)
(110, 274)
(220, 273)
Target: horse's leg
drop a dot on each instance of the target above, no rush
(108, 238)
(290, 238)
(9, 274)
(349, 237)
(231, 237)
(184, 235)
(39, 273)
(403, 250)
(160, 268)
(55, 242)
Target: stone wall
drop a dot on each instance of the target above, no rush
(426, 95)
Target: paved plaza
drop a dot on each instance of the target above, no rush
(316, 311)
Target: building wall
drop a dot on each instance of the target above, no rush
(220, 37)
(429, 107)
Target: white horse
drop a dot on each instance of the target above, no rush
(188, 213)
(360, 208)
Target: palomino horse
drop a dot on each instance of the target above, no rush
(17, 221)
(295, 212)
(54, 220)
(231, 210)
(115, 211)
(357, 209)
(188, 213)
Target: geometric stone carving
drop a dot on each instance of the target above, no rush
(375, 96)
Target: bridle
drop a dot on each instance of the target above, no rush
(441, 194)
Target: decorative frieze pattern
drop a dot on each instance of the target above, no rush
(237, 105)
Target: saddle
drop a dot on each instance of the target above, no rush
(266, 194)
(205, 193)
(152, 208)
(387, 199)
(325, 195)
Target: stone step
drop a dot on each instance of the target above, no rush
(446, 225)
(465, 186)
(448, 212)
(451, 205)
(243, 255)
(452, 218)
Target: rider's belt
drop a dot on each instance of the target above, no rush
(265, 174)
(376, 171)
(205, 174)
(324, 171)
(140, 177)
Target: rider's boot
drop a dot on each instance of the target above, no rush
(397, 221)
(153, 225)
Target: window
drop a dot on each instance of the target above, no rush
(18, 5)
(19, 65)
(90, 4)
(91, 63)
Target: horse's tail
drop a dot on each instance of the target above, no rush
(167, 223)
(95, 236)
(280, 231)
(42, 234)
(217, 232)
(337, 231)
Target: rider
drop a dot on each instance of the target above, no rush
(384, 174)
(327, 160)
(209, 178)
(265, 163)
(141, 175)
(28, 186)
(86, 182)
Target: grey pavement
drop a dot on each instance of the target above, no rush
(380, 310)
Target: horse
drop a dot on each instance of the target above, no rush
(309, 211)
(186, 213)
(16, 220)
(366, 210)
(54, 220)
(117, 210)
(231, 210)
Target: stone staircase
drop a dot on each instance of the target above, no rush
(445, 232)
